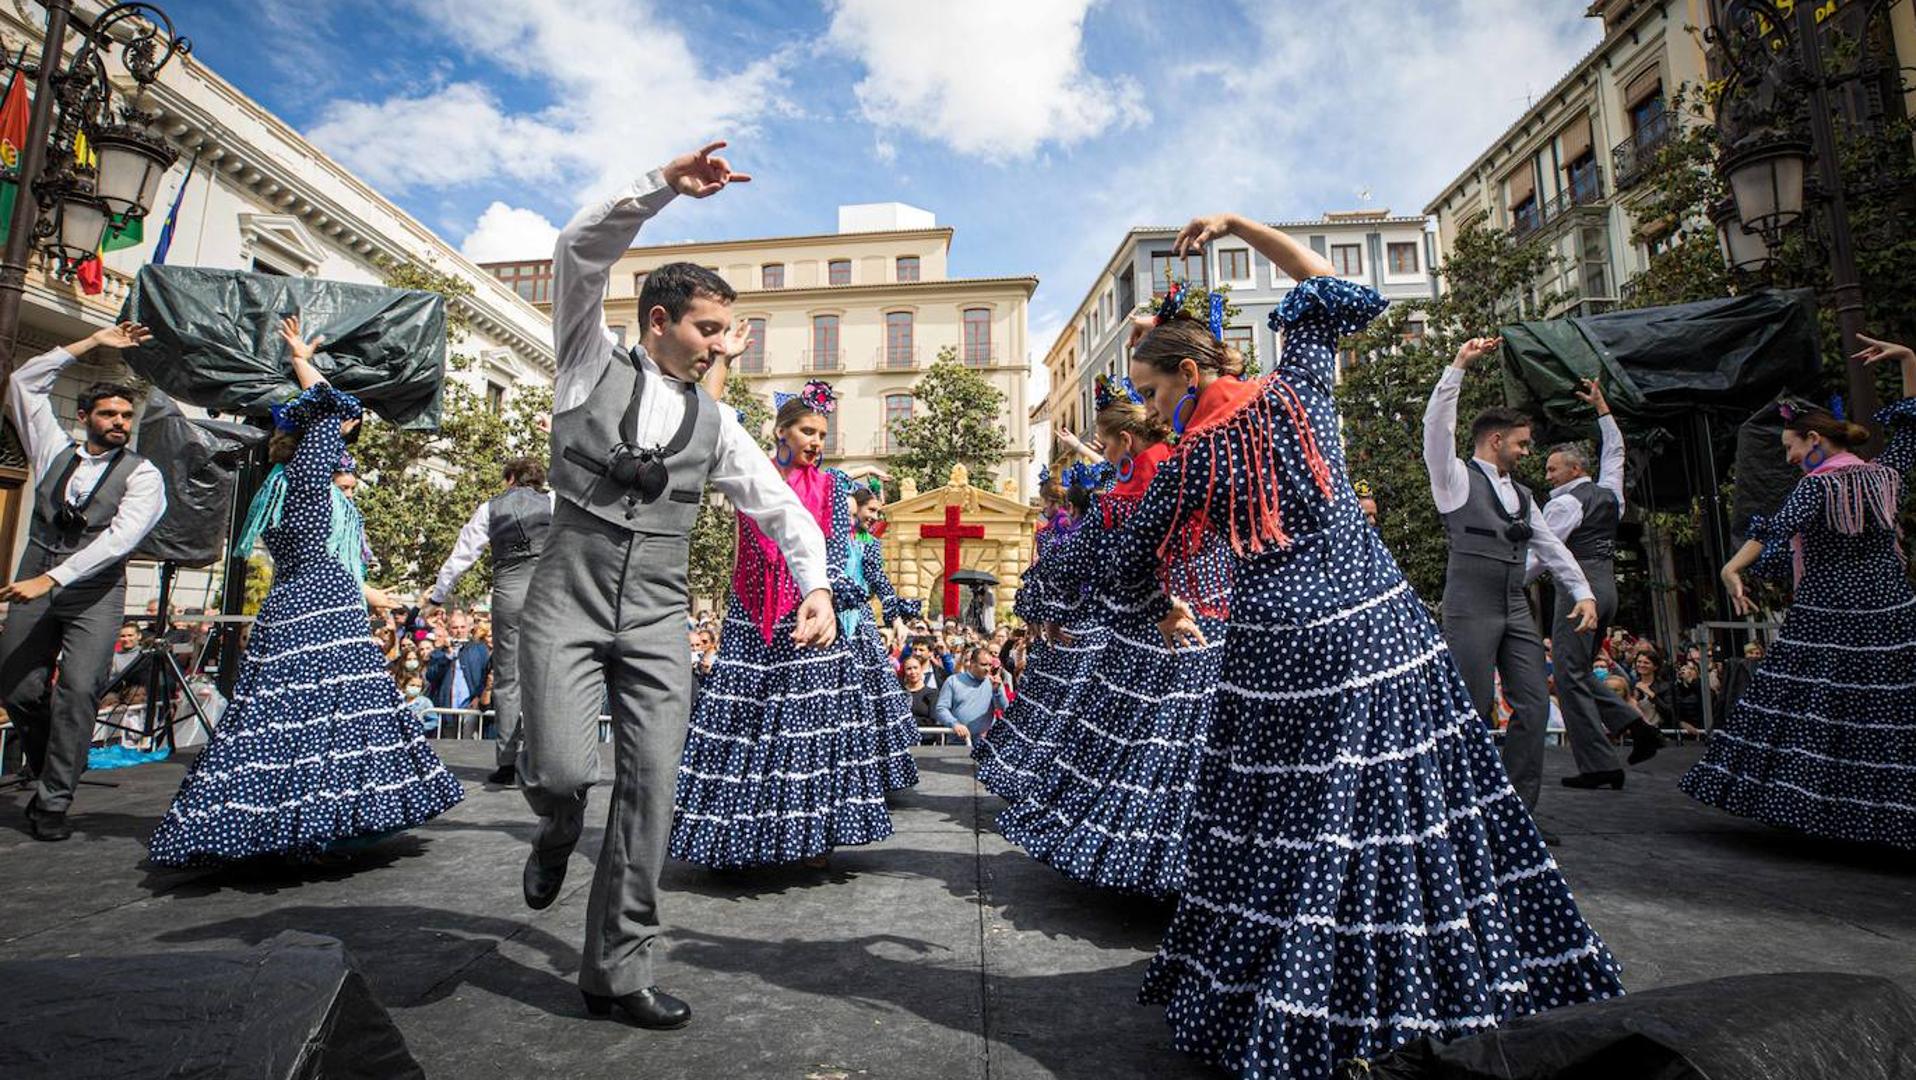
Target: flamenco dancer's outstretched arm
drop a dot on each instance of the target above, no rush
(1298, 261)
(1899, 418)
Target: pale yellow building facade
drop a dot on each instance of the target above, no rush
(866, 311)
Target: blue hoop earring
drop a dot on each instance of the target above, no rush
(1179, 418)
(783, 456)
(1126, 466)
(1815, 458)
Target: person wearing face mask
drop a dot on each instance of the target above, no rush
(317, 749)
(1495, 527)
(1819, 740)
(782, 761)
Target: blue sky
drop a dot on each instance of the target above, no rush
(1039, 129)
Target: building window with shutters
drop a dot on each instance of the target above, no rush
(907, 268)
(1347, 259)
(1403, 257)
(977, 351)
(771, 276)
(899, 351)
(495, 397)
(838, 272)
(754, 358)
(824, 343)
(1167, 266)
(1234, 264)
(897, 408)
(1239, 338)
(638, 288)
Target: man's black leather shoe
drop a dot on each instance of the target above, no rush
(505, 775)
(541, 882)
(1645, 741)
(648, 1008)
(47, 825)
(1612, 778)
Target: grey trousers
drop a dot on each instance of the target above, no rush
(1488, 625)
(1589, 710)
(509, 585)
(606, 614)
(77, 627)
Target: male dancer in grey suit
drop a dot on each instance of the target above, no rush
(1494, 525)
(1583, 512)
(634, 441)
(513, 524)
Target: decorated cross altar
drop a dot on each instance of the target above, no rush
(957, 527)
(952, 533)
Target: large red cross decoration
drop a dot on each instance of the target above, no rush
(952, 533)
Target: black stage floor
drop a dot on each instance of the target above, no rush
(941, 952)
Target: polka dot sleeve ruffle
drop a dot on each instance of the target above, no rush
(1344, 306)
(1900, 419)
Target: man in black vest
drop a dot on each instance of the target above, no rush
(1583, 513)
(1495, 526)
(92, 505)
(634, 442)
(513, 524)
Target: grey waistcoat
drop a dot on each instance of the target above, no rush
(582, 442)
(1595, 537)
(1477, 527)
(55, 542)
(519, 519)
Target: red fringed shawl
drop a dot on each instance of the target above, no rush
(1241, 424)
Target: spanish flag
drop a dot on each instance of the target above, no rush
(16, 115)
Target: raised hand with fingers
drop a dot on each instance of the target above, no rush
(1591, 394)
(126, 335)
(1875, 350)
(702, 172)
(300, 348)
(1474, 348)
(738, 340)
(1200, 231)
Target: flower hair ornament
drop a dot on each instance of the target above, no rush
(1107, 391)
(816, 396)
(1173, 305)
(346, 464)
(1362, 488)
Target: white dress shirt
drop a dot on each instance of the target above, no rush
(30, 398)
(1563, 512)
(474, 537)
(1450, 484)
(581, 265)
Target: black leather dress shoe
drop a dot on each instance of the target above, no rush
(1645, 741)
(648, 1008)
(1612, 778)
(504, 775)
(541, 881)
(48, 825)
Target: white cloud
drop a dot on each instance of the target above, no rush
(455, 135)
(629, 90)
(509, 233)
(993, 79)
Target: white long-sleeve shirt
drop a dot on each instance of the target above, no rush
(30, 398)
(581, 265)
(1564, 512)
(474, 537)
(1450, 484)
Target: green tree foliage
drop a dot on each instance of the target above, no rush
(715, 533)
(1488, 281)
(959, 418)
(417, 487)
(1197, 304)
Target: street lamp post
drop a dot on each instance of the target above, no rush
(65, 208)
(1775, 73)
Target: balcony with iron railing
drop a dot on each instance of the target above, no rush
(820, 359)
(896, 358)
(1585, 189)
(1632, 158)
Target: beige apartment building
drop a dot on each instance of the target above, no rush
(1568, 169)
(867, 309)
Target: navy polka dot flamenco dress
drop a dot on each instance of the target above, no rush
(1111, 809)
(1360, 871)
(1824, 739)
(1031, 732)
(782, 758)
(885, 695)
(316, 747)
